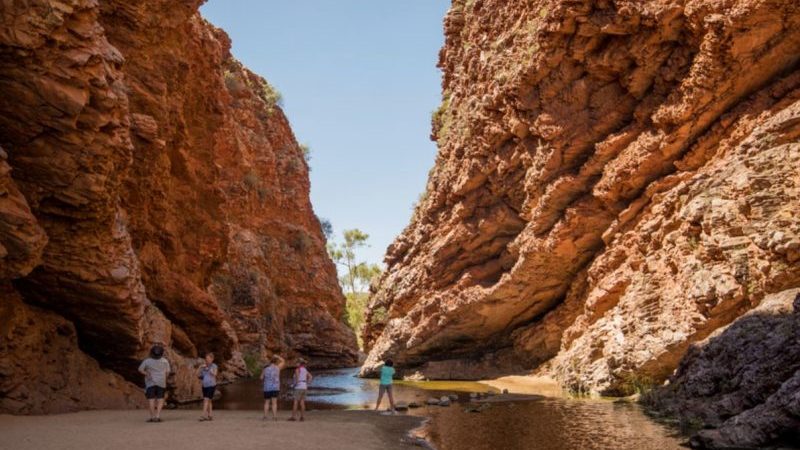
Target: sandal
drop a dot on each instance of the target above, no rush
(292, 419)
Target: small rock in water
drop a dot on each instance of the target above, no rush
(473, 395)
(444, 401)
(453, 397)
(433, 401)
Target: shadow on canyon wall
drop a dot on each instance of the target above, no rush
(742, 384)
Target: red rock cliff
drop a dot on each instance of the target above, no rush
(616, 180)
(151, 190)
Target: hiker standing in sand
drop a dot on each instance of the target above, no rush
(387, 377)
(208, 379)
(155, 370)
(271, 376)
(302, 378)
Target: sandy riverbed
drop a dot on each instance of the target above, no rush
(530, 385)
(122, 430)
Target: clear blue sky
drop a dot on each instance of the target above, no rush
(359, 82)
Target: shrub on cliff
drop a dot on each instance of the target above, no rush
(271, 96)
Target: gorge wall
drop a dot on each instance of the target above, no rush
(151, 190)
(617, 181)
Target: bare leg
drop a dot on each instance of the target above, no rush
(302, 408)
(294, 409)
(210, 407)
(152, 406)
(391, 397)
(274, 402)
(380, 399)
(159, 407)
(266, 408)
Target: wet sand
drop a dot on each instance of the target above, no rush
(180, 430)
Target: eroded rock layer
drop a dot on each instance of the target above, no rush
(616, 180)
(151, 190)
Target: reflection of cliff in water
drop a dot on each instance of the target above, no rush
(536, 423)
(550, 424)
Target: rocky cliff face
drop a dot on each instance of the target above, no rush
(616, 180)
(151, 190)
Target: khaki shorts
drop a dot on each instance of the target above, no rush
(300, 394)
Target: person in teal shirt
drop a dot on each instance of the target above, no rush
(387, 374)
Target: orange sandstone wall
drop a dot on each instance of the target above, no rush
(150, 191)
(616, 181)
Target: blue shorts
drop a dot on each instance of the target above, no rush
(271, 394)
(155, 392)
(208, 392)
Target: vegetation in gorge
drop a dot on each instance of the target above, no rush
(355, 276)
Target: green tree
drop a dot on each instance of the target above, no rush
(327, 228)
(355, 276)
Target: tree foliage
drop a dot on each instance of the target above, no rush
(355, 276)
(327, 228)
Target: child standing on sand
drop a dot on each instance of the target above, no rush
(208, 379)
(302, 378)
(271, 376)
(155, 370)
(387, 377)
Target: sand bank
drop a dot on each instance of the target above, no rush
(122, 430)
(530, 385)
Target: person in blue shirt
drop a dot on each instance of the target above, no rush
(271, 376)
(208, 379)
(387, 375)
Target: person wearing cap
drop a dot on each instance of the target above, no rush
(155, 370)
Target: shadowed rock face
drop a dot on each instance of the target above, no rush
(616, 180)
(151, 190)
(743, 380)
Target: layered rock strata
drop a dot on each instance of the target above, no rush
(616, 180)
(151, 190)
(742, 382)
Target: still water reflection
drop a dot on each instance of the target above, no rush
(539, 423)
(550, 424)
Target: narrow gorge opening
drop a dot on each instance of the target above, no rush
(592, 197)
